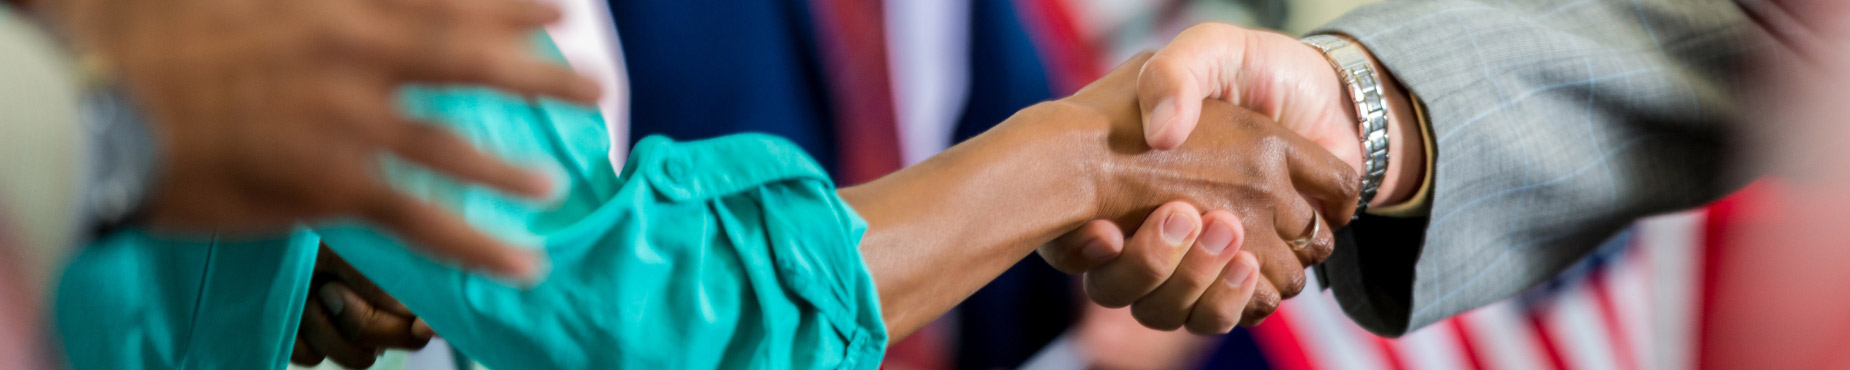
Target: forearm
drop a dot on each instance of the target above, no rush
(939, 230)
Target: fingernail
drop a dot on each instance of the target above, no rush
(1096, 251)
(1241, 268)
(1159, 118)
(1216, 238)
(1176, 228)
(332, 300)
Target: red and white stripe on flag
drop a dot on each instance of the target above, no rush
(1634, 312)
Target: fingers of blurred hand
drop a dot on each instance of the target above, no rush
(467, 41)
(1221, 307)
(321, 334)
(1082, 250)
(1168, 307)
(516, 13)
(1319, 175)
(1148, 259)
(435, 230)
(363, 324)
(361, 109)
(443, 151)
(509, 66)
(1199, 63)
(523, 74)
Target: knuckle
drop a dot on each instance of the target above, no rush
(1351, 182)
(1165, 68)
(1315, 254)
(1274, 143)
(1260, 307)
(1294, 283)
(1147, 271)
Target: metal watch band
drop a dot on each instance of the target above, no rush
(1364, 90)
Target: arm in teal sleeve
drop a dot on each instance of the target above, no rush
(728, 253)
(133, 300)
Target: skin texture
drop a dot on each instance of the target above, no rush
(1272, 74)
(273, 113)
(986, 203)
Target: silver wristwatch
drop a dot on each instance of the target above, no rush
(1364, 87)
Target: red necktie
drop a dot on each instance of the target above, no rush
(852, 37)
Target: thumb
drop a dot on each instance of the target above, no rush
(1170, 100)
(1193, 66)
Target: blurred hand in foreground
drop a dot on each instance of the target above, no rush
(270, 113)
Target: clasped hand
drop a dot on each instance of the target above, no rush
(1182, 268)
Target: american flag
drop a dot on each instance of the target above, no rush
(1634, 304)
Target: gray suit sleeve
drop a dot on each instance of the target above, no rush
(1557, 123)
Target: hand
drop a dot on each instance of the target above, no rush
(1275, 185)
(350, 320)
(271, 113)
(1269, 73)
(1055, 166)
(1284, 79)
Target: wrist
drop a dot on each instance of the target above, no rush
(1407, 151)
(1068, 141)
(1379, 113)
(1406, 168)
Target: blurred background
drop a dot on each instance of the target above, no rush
(867, 86)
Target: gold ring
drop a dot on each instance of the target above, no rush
(1316, 227)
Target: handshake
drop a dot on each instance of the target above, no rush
(1253, 127)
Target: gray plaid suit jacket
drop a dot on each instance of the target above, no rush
(1558, 123)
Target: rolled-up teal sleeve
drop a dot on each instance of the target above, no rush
(725, 253)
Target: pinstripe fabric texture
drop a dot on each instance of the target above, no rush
(1557, 124)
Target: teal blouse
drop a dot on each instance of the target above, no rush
(732, 252)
